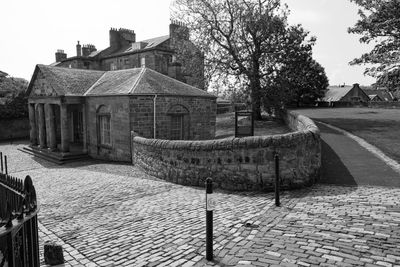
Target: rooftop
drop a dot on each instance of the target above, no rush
(135, 81)
(335, 93)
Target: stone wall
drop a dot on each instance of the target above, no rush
(236, 163)
(118, 108)
(199, 122)
(14, 129)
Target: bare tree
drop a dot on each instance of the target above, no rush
(249, 39)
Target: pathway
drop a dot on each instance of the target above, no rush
(345, 162)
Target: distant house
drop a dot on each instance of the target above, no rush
(93, 112)
(379, 94)
(344, 94)
(3, 74)
(375, 98)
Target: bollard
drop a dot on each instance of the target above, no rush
(209, 220)
(1, 159)
(5, 163)
(277, 202)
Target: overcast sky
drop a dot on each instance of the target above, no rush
(32, 31)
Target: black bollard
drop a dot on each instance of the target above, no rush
(1, 159)
(209, 220)
(277, 202)
(5, 163)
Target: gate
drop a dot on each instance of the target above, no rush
(19, 243)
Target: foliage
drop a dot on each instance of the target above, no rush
(14, 101)
(380, 22)
(243, 41)
(301, 81)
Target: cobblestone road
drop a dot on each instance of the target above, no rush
(115, 215)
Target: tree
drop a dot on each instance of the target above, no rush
(302, 80)
(243, 39)
(380, 22)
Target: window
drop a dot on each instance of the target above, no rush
(143, 62)
(177, 127)
(105, 129)
(179, 122)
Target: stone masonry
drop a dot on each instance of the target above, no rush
(236, 163)
(199, 115)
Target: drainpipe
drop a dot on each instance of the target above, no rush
(154, 119)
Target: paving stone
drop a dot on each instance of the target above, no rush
(106, 214)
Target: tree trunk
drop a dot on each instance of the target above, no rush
(255, 90)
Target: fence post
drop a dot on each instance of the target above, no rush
(5, 163)
(277, 182)
(209, 219)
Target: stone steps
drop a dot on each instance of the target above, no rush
(55, 157)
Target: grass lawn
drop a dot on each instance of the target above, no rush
(225, 126)
(380, 127)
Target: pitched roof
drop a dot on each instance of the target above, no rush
(335, 93)
(136, 81)
(385, 95)
(153, 82)
(136, 47)
(66, 81)
(142, 81)
(115, 82)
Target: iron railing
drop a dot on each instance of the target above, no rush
(19, 243)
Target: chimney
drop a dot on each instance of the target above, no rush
(88, 49)
(60, 55)
(121, 37)
(178, 30)
(114, 38)
(78, 50)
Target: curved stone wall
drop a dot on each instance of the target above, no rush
(236, 163)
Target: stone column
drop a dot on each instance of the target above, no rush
(84, 128)
(50, 127)
(42, 126)
(32, 123)
(64, 128)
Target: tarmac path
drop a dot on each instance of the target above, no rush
(345, 162)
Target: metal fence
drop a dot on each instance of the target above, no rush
(19, 243)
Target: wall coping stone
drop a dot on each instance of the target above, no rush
(303, 144)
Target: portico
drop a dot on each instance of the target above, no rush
(57, 124)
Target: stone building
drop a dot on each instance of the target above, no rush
(78, 111)
(173, 55)
(335, 95)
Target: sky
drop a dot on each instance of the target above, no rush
(32, 31)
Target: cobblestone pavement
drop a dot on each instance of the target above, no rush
(115, 215)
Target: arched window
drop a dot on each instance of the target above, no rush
(104, 125)
(179, 122)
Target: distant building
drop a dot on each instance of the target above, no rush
(344, 94)
(77, 111)
(173, 55)
(379, 94)
(3, 74)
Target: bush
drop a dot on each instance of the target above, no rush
(15, 107)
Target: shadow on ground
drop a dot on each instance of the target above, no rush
(333, 171)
